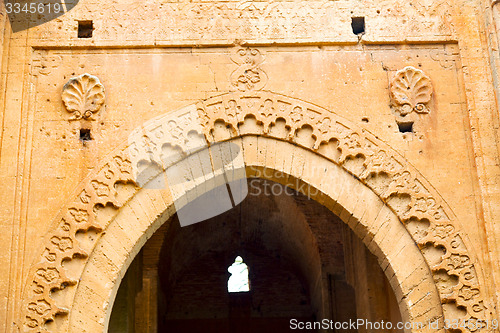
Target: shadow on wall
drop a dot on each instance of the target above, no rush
(24, 14)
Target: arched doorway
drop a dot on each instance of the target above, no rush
(305, 266)
(73, 283)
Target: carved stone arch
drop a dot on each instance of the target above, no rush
(373, 222)
(402, 205)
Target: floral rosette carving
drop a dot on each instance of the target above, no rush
(411, 91)
(83, 96)
(248, 76)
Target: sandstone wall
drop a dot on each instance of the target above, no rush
(158, 56)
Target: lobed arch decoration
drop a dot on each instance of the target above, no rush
(398, 212)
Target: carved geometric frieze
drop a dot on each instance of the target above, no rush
(83, 96)
(248, 76)
(185, 21)
(411, 92)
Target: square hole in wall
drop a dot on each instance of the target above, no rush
(85, 29)
(406, 127)
(358, 25)
(85, 135)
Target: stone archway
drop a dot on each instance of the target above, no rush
(372, 221)
(97, 235)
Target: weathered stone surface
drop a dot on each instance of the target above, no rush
(397, 127)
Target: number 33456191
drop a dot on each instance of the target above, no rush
(33, 8)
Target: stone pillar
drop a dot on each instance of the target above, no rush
(3, 32)
(146, 303)
(494, 42)
(375, 300)
(342, 301)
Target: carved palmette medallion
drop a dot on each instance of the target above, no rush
(83, 96)
(411, 91)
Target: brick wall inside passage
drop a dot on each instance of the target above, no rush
(295, 250)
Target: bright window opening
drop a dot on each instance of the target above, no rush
(238, 281)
